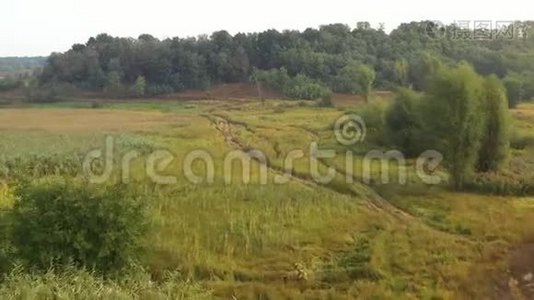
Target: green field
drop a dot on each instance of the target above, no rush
(352, 240)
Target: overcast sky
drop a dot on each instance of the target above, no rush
(39, 27)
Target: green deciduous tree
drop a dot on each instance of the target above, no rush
(453, 116)
(140, 86)
(514, 89)
(495, 134)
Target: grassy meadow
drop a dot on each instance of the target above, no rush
(242, 241)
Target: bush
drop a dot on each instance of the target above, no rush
(303, 87)
(56, 223)
(298, 87)
(274, 78)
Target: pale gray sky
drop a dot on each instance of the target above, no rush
(39, 27)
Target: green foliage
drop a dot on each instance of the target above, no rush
(277, 79)
(374, 116)
(401, 71)
(355, 79)
(303, 87)
(346, 80)
(366, 78)
(461, 114)
(495, 145)
(298, 87)
(31, 166)
(403, 122)
(453, 116)
(527, 84)
(140, 86)
(93, 227)
(422, 68)
(408, 56)
(514, 90)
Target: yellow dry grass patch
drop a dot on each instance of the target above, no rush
(83, 120)
(524, 110)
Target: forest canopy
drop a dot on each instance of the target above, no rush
(332, 56)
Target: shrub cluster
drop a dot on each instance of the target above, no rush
(55, 223)
(298, 87)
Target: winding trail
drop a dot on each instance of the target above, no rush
(371, 198)
(224, 125)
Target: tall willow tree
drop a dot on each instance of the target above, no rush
(495, 139)
(453, 115)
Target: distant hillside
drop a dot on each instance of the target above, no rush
(18, 65)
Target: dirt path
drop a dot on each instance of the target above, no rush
(372, 199)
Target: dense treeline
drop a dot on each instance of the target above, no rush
(333, 56)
